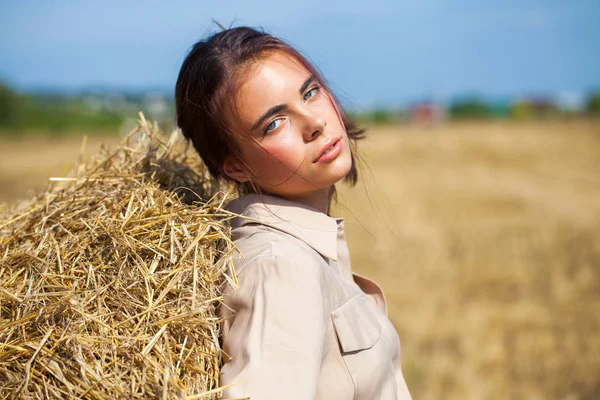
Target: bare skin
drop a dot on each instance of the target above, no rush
(292, 137)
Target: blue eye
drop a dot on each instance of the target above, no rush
(311, 92)
(273, 125)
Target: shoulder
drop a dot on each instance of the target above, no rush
(279, 278)
(260, 244)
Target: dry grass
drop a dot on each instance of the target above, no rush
(110, 279)
(26, 164)
(486, 239)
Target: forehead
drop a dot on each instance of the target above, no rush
(268, 82)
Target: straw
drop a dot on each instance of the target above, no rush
(111, 278)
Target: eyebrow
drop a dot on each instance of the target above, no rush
(280, 107)
(306, 83)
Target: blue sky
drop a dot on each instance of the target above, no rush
(372, 52)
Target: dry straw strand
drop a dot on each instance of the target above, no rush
(110, 280)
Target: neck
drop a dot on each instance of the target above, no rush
(318, 199)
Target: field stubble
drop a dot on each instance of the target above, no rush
(486, 240)
(484, 236)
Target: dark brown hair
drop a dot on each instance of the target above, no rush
(208, 81)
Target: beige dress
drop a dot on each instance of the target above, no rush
(304, 326)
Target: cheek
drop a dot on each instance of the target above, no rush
(333, 116)
(272, 160)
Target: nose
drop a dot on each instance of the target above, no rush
(315, 126)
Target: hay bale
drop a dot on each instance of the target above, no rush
(109, 280)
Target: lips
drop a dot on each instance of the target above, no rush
(327, 149)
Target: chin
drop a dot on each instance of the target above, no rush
(342, 169)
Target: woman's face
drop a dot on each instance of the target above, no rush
(293, 139)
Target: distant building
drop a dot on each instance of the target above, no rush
(428, 113)
(571, 102)
(543, 106)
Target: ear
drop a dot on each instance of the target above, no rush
(233, 169)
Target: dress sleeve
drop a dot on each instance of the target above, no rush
(275, 341)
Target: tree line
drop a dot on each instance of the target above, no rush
(59, 113)
(51, 112)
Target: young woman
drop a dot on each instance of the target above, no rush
(301, 325)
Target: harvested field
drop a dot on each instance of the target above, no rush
(486, 239)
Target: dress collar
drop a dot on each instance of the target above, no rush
(308, 224)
